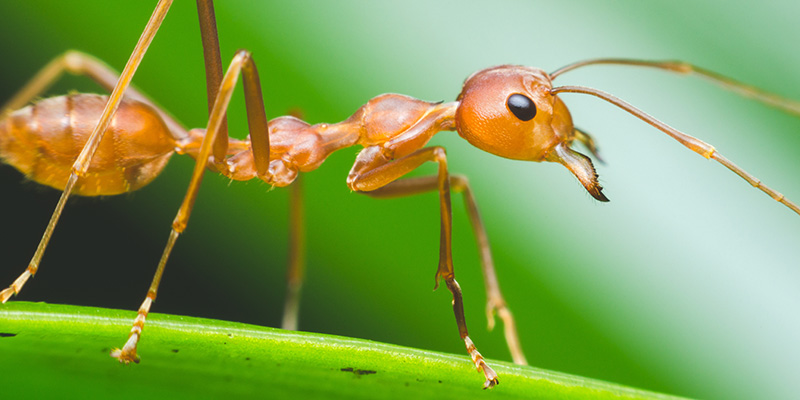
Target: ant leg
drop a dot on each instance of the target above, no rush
(84, 159)
(78, 63)
(373, 171)
(495, 303)
(213, 66)
(295, 272)
(242, 62)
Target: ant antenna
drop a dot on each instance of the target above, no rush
(698, 146)
(788, 105)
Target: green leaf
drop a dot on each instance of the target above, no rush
(62, 351)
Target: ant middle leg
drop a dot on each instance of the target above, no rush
(242, 63)
(296, 270)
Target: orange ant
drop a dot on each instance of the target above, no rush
(510, 111)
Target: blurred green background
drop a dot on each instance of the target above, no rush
(686, 283)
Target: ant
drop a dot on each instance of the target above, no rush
(511, 111)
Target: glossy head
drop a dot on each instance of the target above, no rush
(509, 111)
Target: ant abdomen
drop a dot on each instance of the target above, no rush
(43, 140)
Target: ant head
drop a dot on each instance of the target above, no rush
(509, 111)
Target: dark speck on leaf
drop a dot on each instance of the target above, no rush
(175, 350)
(359, 371)
(5, 334)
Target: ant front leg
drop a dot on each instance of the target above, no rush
(372, 171)
(495, 303)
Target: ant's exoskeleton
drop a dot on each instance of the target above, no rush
(103, 145)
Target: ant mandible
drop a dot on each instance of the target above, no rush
(119, 143)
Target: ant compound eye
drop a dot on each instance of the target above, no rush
(521, 106)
